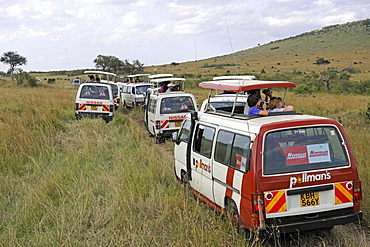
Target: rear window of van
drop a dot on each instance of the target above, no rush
(94, 92)
(303, 149)
(176, 105)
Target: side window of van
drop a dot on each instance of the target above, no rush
(203, 140)
(233, 150)
(152, 105)
(185, 131)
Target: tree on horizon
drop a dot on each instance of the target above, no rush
(13, 59)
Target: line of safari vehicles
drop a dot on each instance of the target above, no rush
(281, 173)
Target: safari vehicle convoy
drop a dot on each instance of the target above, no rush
(164, 110)
(284, 172)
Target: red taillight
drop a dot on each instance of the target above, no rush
(357, 191)
(111, 107)
(76, 106)
(157, 125)
(258, 203)
(258, 208)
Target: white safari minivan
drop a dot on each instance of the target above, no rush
(164, 112)
(281, 173)
(95, 100)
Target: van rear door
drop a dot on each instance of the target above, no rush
(308, 173)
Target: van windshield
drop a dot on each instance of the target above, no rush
(303, 149)
(228, 106)
(141, 89)
(94, 92)
(176, 105)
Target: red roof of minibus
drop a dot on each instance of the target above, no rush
(244, 85)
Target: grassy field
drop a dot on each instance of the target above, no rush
(86, 183)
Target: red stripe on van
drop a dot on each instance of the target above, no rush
(82, 107)
(343, 192)
(165, 124)
(105, 108)
(229, 181)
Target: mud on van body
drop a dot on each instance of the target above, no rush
(285, 172)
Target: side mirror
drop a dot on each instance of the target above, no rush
(175, 137)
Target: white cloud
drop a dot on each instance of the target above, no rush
(144, 29)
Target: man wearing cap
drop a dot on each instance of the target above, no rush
(170, 88)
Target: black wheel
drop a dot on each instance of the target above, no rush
(186, 183)
(133, 105)
(234, 217)
(158, 140)
(124, 104)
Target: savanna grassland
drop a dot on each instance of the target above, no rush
(87, 183)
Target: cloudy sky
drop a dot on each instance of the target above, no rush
(70, 34)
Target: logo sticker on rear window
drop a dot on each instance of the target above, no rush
(309, 154)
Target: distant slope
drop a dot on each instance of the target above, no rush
(345, 45)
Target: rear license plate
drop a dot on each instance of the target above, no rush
(310, 199)
(94, 107)
(178, 124)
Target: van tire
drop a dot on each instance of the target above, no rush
(234, 217)
(186, 183)
(158, 140)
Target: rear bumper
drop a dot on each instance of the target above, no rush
(315, 221)
(94, 114)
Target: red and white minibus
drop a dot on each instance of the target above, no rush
(285, 172)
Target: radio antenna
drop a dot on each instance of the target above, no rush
(231, 44)
(65, 49)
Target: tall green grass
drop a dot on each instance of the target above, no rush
(88, 183)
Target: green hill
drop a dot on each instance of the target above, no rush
(345, 46)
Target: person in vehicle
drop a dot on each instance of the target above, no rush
(92, 78)
(254, 92)
(254, 102)
(177, 87)
(98, 79)
(170, 88)
(163, 88)
(276, 105)
(268, 94)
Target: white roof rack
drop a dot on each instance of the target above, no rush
(159, 75)
(167, 79)
(99, 72)
(137, 75)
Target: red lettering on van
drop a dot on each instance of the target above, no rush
(201, 165)
(176, 117)
(94, 102)
(296, 155)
